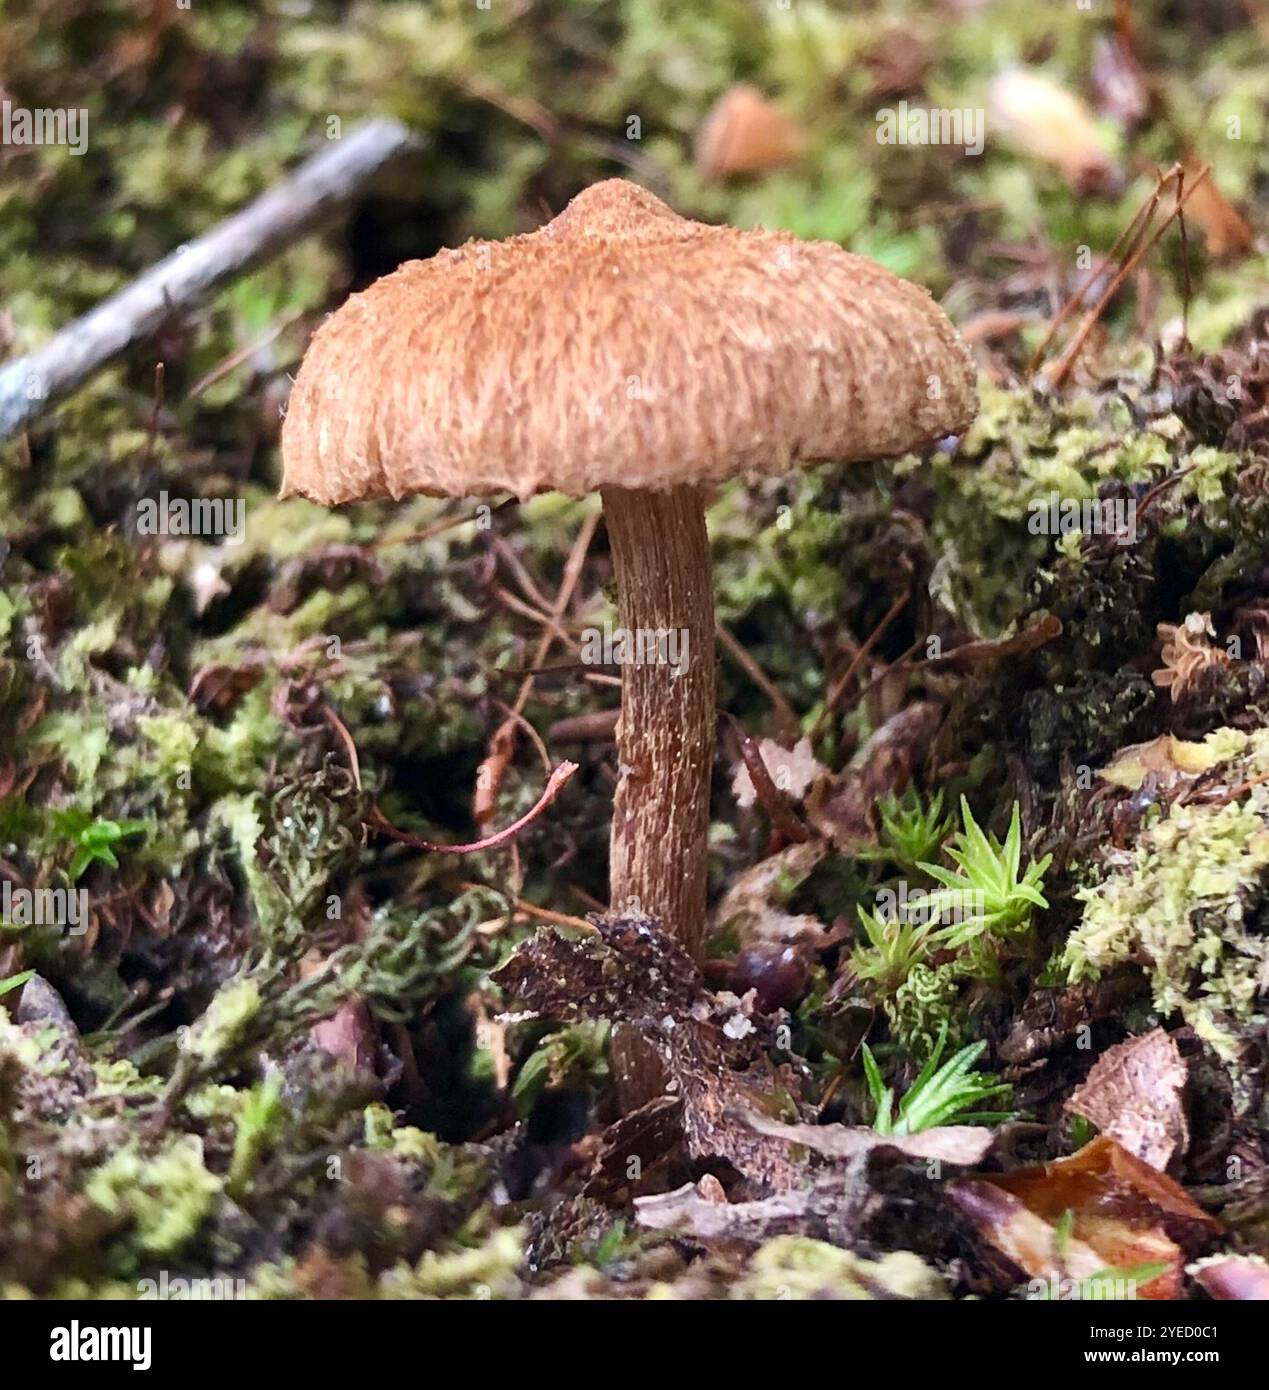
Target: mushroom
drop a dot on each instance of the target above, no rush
(625, 349)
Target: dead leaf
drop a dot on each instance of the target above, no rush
(1233, 1278)
(1050, 124)
(218, 688)
(1051, 1018)
(843, 1184)
(763, 785)
(1226, 230)
(750, 909)
(1171, 760)
(745, 134)
(815, 1209)
(1123, 1214)
(793, 770)
(348, 1035)
(1134, 1094)
(842, 808)
(652, 1136)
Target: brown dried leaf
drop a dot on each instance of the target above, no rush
(1123, 1214)
(348, 1035)
(1051, 1018)
(842, 808)
(1050, 124)
(1134, 1094)
(815, 1209)
(745, 134)
(1226, 230)
(653, 1135)
(218, 688)
(750, 909)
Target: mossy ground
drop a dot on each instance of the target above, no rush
(170, 1107)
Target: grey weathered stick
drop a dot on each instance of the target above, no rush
(30, 385)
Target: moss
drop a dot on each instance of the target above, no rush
(228, 759)
(178, 682)
(928, 1000)
(795, 1267)
(19, 1044)
(218, 1031)
(1185, 903)
(1020, 453)
(166, 1198)
(120, 1077)
(487, 1271)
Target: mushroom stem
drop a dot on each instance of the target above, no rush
(665, 739)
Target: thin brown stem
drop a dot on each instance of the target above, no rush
(666, 735)
(502, 744)
(786, 718)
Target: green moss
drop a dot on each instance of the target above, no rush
(254, 827)
(218, 1031)
(229, 758)
(487, 1271)
(796, 1267)
(120, 1077)
(928, 1000)
(1183, 903)
(1019, 454)
(19, 1044)
(166, 1198)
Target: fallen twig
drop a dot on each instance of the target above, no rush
(596, 726)
(30, 385)
(442, 524)
(1144, 237)
(544, 914)
(555, 784)
(774, 802)
(842, 684)
(502, 745)
(786, 718)
(378, 821)
(1038, 634)
(241, 355)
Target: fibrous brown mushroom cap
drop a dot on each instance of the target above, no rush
(622, 345)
